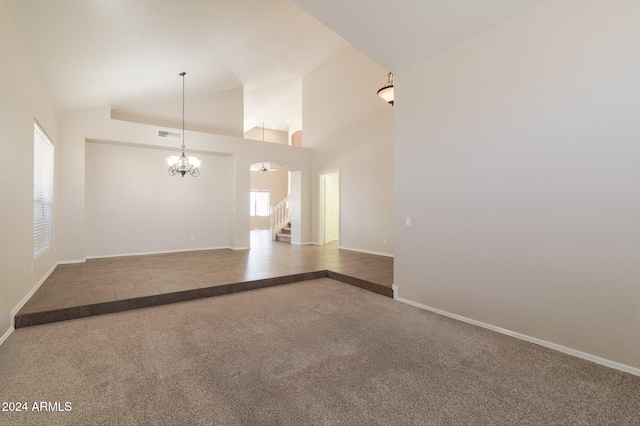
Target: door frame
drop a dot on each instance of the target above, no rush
(321, 205)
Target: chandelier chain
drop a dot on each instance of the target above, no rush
(183, 164)
(183, 74)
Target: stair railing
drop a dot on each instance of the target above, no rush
(280, 215)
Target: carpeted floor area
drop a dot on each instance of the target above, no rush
(311, 353)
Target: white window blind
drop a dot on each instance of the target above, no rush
(259, 202)
(42, 191)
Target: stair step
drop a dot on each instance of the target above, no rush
(285, 238)
(286, 230)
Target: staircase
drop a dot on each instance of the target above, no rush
(280, 220)
(285, 234)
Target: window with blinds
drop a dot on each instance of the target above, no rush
(42, 191)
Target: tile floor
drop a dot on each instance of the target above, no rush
(147, 278)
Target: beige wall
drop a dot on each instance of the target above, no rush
(132, 205)
(22, 99)
(517, 159)
(269, 135)
(231, 190)
(221, 113)
(350, 129)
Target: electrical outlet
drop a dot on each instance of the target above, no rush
(385, 241)
(407, 222)
(193, 238)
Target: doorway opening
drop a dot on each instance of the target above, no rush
(329, 206)
(275, 203)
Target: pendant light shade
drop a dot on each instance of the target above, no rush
(386, 92)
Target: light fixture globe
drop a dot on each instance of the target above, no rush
(183, 164)
(386, 92)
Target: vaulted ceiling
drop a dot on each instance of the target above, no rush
(122, 52)
(400, 33)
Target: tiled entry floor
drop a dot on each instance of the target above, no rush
(115, 284)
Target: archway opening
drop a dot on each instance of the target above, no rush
(274, 203)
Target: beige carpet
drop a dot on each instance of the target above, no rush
(317, 352)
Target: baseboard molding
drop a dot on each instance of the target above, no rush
(23, 302)
(71, 262)
(394, 288)
(106, 256)
(238, 248)
(583, 355)
(303, 244)
(6, 335)
(377, 253)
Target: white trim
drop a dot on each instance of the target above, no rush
(69, 262)
(6, 335)
(602, 361)
(321, 214)
(378, 253)
(157, 252)
(25, 299)
(238, 248)
(395, 291)
(304, 244)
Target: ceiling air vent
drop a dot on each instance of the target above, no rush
(169, 134)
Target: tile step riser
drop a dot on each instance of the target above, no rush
(63, 314)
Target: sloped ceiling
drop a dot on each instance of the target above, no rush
(123, 52)
(401, 33)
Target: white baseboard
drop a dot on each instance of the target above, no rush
(6, 335)
(377, 253)
(304, 244)
(602, 361)
(394, 288)
(24, 301)
(106, 256)
(70, 262)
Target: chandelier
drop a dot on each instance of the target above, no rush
(386, 92)
(183, 164)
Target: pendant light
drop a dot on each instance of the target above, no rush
(386, 92)
(183, 164)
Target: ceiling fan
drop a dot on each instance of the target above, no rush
(266, 167)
